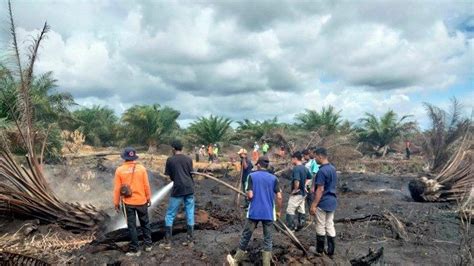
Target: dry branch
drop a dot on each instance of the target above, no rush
(453, 182)
(25, 192)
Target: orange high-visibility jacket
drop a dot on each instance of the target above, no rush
(138, 184)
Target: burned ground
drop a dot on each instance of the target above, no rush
(431, 229)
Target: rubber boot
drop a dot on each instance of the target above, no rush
(266, 258)
(168, 234)
(237, 258)
(189, 236)
(331, 245)
(290, 221)
(320, 244)
(301, 220)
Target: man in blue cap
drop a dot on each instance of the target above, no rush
(131, 186)
(264, 194)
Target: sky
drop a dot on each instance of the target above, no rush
(255, 59)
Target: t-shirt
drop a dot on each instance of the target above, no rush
(265, 147)
(246, 171)
(179, 168)
(312, 166)
(327, 177)
(264, 186)
(300, 173)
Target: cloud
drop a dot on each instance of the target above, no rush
(254, 59)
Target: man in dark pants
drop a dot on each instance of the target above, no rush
(135, 177)
(263, 191)
(246, 168)
(178, 168)
(300, 177)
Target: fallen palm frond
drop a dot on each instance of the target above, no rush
(454, 181)
(25, 192)
(23, 250)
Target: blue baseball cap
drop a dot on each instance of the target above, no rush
(129, 154)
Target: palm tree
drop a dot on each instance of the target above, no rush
(256, 130)
(98, 124)
(50, 109)
(26, 192)
(379, 133)
(148, 124)
(210, 129)
(446, 128)
(328, 118)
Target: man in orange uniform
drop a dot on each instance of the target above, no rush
(134, 178)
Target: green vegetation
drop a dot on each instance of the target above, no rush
(256, 130)
(328, 120)
(98, 124)
(379, 133)
(149, 124)
(210, 129)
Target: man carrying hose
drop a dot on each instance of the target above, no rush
(262, 191)
(178, 168)
(132, 187)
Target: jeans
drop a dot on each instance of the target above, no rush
(142, 213)
(173, 207)
(250, 226)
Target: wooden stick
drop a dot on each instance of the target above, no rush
(219, 181)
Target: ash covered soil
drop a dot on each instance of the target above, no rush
(432, 229)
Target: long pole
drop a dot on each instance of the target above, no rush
(219, 181)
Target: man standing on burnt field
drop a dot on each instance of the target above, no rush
(132, 189)
(263, 190)
(179, 168)
(325, 203)
(300, 177)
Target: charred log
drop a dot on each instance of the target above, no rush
(370, 259)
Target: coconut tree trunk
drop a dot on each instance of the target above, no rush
(152, 146)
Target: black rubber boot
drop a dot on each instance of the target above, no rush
(290, 221)
(320, 244)
(189, 236)
(301, 220)
(331, 246)
(168, 234)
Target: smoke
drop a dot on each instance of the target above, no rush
(155, 199)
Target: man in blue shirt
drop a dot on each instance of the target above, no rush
(263, 191)
(300, 176)
(325, 202)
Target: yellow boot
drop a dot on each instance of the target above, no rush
(266, 258)
(238, 257)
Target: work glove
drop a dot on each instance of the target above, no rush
(148, 203)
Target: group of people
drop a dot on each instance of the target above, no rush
(313, 189)
(212, 152)
(313, 183)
